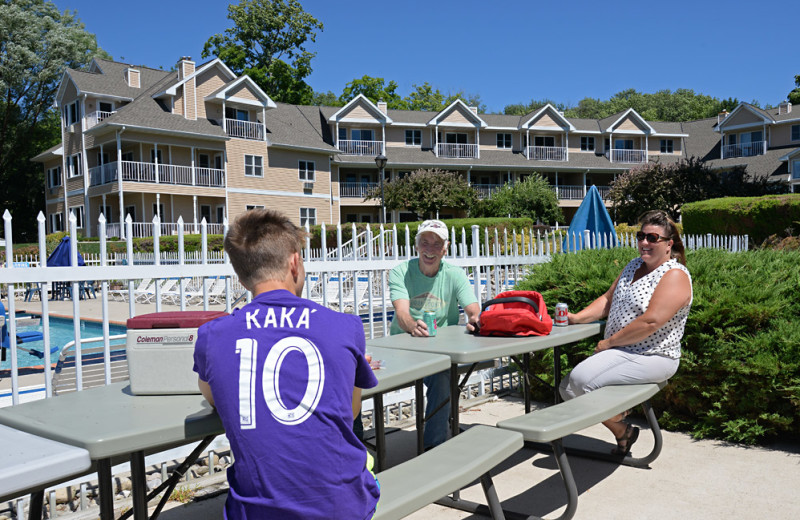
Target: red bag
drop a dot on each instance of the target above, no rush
(515, 313)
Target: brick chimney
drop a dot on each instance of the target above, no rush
(785, 108)
(382, 106)
(132, 77)
(721, 116)
(186, 69)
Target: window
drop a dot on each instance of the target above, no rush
(205, 213)
(54, 177)
(130, 210)
(108, 213)
(308, 216)
(666, 146)
(306, 170)
(544, 140)
(343, 134)
(127, 156)
(253, 206)
(623, 144)
(253, 166)
(220, 214)
(503, 140)
(795, 132)
(413, 137)
(104, 106)
(158, 209)
(155, 154)
(796, 170)
(72, 113)
(78, 212)
(235, 113)
(74, 165)
(587, 144)
(56, 222)
(362, 135)
(732, 139)
(203, 160)
(218, 161)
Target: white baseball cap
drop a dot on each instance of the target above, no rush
(437, 227)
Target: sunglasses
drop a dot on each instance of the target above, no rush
(651, 237)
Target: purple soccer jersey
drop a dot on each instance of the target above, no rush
(282, 371)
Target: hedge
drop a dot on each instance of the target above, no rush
(739, 377)
(759, 217)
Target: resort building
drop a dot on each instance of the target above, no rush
(200, 142)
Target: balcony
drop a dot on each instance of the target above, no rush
(457, 151)
(567, 192)
(133, 171)
(547, 153)
(96, 117)
(485, 190)
(145, 229)
(244, 129)
(730, 151)
(627, 156)
(356, 190)
(355, 147)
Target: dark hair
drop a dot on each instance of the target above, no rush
(662, 219)
(259, 244)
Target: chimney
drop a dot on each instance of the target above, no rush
(721, 116)
(132, 77)
(474, 110)
(785, 108)
(186, 69)
(382, 106)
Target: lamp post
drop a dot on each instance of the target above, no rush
(380, 162)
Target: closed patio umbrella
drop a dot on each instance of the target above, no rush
(593, 216)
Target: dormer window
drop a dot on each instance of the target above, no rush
(72, 113)
(235, 113)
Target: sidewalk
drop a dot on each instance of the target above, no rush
(691, 479)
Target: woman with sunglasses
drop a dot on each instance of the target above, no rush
(646, 306)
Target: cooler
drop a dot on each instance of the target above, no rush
(160, 350)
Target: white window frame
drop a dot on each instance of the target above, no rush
(72, 113)
(79, 215)
(504, 140)
(210, 214)
(256, 170)
(56, 222)
(248, 207)
(307, 171)
(413, 137)
(794, 133)
(355, 134)
(74, 166)
(308, 215)
(54, 177)
(200, 157)
(587, 143)
(796, 170)
(667, 146)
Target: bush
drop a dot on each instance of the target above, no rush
(759, 217)
(739, 378)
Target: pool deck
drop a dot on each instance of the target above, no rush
(691, 478)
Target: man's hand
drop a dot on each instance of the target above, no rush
(420, 329)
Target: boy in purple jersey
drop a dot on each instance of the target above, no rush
(285, 375)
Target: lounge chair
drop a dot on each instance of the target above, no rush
(23, 336)
(121, 295)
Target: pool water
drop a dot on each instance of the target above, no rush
(61, 333)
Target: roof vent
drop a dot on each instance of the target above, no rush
(785, 108)
(132, 77)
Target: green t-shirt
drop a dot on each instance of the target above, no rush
(441, 294)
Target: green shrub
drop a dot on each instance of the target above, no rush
(759, 217)
(739, 378)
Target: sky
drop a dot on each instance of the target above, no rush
(505, 51)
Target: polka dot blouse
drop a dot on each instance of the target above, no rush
(630, 301)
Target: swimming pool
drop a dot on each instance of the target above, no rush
(61, 333)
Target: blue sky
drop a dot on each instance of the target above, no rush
(506, 51)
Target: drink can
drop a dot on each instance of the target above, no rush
(429, 318)
(561, 315)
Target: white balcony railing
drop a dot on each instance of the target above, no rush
(743, 149)
(457, 151)
(352, 147)
(486, 190)
(244, 129)
(95, 117)
(133, 171)
(628, 156)
(356, 189)
(578, 192)
(547, 153)
(145, 229)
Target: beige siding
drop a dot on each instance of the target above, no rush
(654, 144)
(236, 150)
(742, 117)
(207, 83)
(361, 112)
(629, 123)
(191, 99)
(546, 119)
(243, 91)
(575, 143)
(458, 115)
(395, 136)
(289, 206)
(177, 102)
(781, 135)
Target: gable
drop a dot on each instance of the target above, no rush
(243, 91)
(630, 123)
(546, 119)
(459, 116)
(360, 112)
(743, 117)
(210, 81)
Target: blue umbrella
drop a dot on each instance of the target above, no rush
(60, 256)
(593, 216)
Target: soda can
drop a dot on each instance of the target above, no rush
(561, 315)
(429, 317)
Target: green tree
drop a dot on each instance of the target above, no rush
(325, 99)
(37, 43)
(426, 192)
(794, 94)
(668, 187)
(267, 42)
(519, 109)
(374, 89)
(533, 198)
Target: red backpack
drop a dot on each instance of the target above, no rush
(515, 313)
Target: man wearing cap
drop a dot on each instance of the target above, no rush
(424, 284)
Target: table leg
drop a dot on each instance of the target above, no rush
(557, 373)
(35, 506)
(526, 384)
(139, 485)
(455, 394)
(420, 403)
(106, 489)
(380, 432)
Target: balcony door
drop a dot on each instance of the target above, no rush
(452, 138)
(544, 140)
(359, 134)
(235, 113)
(623, 144)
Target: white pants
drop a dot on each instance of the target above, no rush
(616, 366)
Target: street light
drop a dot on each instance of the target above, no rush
(380, 162)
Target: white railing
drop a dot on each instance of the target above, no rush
(103, 174)
(628, 156)
(547, 153)
(744, 149)
(244, 129)
(356, 189)
(578, 192)
(209, 177)
(353, 147)
(145, 229)
(95, 117)
(486, 190)
(134, 171)
(457, 151)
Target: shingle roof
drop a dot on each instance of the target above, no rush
(111, 81)
(299, 126)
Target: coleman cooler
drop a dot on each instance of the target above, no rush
(160, 349)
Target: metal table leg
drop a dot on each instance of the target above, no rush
(380, 432)
(139, 485)
(420, 403)
(106, 489)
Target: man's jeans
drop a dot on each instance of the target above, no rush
(438, 391)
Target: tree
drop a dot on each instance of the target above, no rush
(794, 94)
(425, 192)
(267, 43)
(518, 109)
(325, 99)
(37, 43)
(668, 187)
(374, 89)
(533, 198)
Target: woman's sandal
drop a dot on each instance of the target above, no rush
(629, 437)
